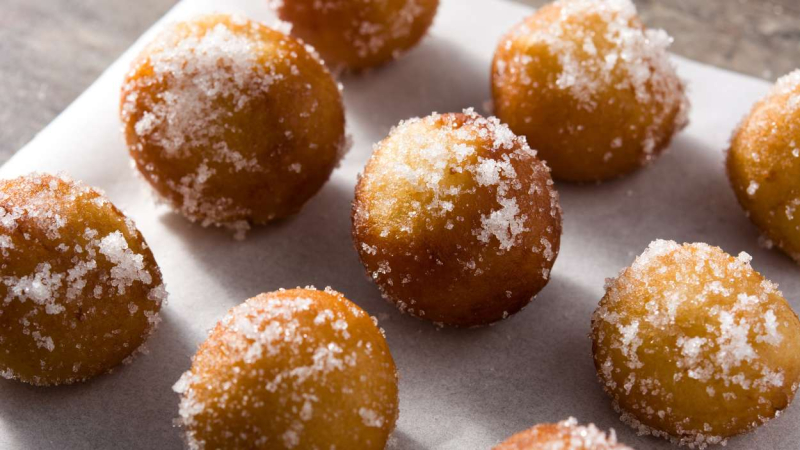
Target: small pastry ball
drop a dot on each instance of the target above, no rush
(358, 34)
(79, 289)
(590, 88)
(232, 122)
(296, 369)
(564, 435)
(456, 219)
(764, 165)
(694, 345)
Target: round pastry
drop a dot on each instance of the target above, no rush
(694, 345)
(358, 34)
(232, 122)
(79, 289)
(296, 369)
(764, 165)
(456, 219)
(589, 87)
(564, 435)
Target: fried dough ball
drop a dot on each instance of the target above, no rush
(358, 34)
(456, 220)
(764, 165)
(79, 289)
(296, 369)
(589, 87)
(232, 122)
(564, 435)
(694, 345)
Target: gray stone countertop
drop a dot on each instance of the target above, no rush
(50, 51)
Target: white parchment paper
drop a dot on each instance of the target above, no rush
(459, 389)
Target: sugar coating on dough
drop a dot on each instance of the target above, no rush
(639, 53)
(215, 65)
(763, 164)
(601, 52)
(564, 435)
(790, 85)
(503, 226)
(369, 38)
(455, 180)
(287, 364)
(52, 275)
(358, 34)
(188, 96)
(689, 334)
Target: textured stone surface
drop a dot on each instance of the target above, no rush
(50, 51)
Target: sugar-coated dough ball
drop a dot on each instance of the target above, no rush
(232, 122)
(79, 289)
(564, 435)
(694, 345)
(291, 369)
(358, 34)
(764, 165)
(456, 219)
(590, 88)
